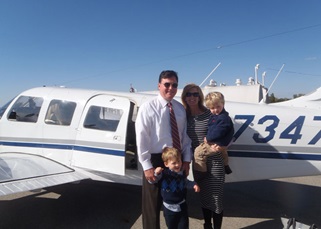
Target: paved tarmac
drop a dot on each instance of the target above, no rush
(89, 204)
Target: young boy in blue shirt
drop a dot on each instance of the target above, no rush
(174, 185)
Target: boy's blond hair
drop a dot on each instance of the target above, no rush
(170, 153)
(212, 98)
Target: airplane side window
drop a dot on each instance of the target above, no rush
(60, 112)
(25, 109)
(103, 118)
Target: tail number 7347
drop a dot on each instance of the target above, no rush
(292, 132)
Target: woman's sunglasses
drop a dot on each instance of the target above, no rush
(194, 94)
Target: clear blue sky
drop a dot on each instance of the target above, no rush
(105, 44)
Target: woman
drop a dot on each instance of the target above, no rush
(212, 185)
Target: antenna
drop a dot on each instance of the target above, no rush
(132, 89)
(210, 74)
(275, 79)
(267, 92)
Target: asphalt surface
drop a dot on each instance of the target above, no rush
(89, 204)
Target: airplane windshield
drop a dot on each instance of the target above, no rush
(26, 109)
(4, 108)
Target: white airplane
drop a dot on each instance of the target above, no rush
(54, 135)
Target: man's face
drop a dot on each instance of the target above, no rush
(168, 88)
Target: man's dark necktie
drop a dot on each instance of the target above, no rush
(174, 129)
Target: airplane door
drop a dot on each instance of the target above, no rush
(101, 137)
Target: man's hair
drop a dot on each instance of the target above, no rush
(167, 74)
(213, 98)
(170, 153)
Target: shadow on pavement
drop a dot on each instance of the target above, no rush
(268, 200)
(93, 204)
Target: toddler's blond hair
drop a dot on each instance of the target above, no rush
(170, 153)
(213, 98)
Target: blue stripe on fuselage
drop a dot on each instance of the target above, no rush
(66, 147)
(232, 153)
(275, 155)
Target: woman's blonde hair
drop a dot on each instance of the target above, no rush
(186, 89)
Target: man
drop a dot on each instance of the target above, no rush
(153, 133)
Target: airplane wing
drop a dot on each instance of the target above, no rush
(311, 100)
(24, 172)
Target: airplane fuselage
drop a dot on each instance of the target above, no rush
(93, 132)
